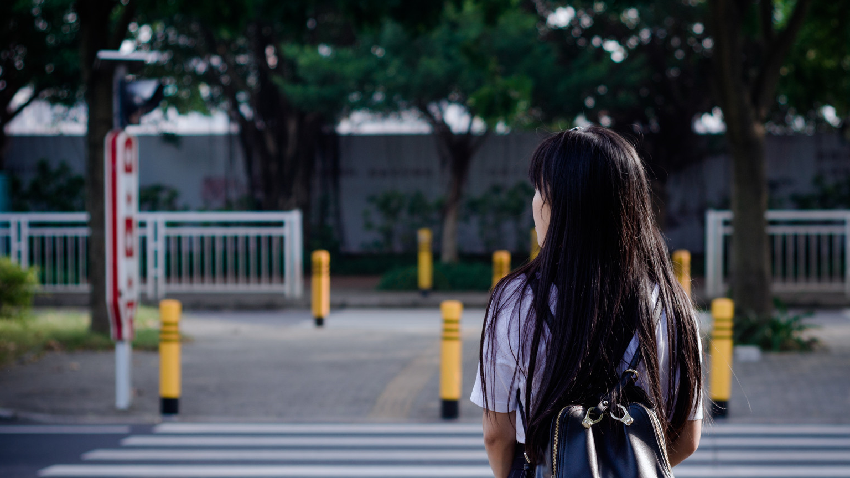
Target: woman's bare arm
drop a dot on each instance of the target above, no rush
(499, 441)
(687, 442)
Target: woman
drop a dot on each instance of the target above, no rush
(605, 264)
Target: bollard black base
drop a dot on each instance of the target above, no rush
(169, 406)
(719, 409)
(320, 322)
(450, 409)
(424, 292)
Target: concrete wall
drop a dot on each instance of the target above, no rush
(207, 170)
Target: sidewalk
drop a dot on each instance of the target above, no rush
(366, 365)
(362, 292)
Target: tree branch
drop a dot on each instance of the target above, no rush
(10, 116)
(764, 86)
(120, 32)
(766, 19)
(724, 24)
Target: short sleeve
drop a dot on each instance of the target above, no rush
(499, 368)
(697, 413)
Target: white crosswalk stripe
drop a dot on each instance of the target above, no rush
(427, 450)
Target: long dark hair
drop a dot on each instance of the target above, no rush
(602, 257)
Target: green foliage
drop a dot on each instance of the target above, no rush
(817, 69)
(400, 215)
(474, 276)
(828, 194)
(17, 286)
(369, 264)
(51, 190)
(500, 209)
(39, 50)
(463, 60)
(158, 197)
(56, 330)
(782, 332)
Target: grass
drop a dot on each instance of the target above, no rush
(40, 331)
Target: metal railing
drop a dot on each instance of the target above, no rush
(203, 252)
(808, 251)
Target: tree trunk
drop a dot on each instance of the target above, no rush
(460, 152)
(4, 143)
(94, 36)
(751, 289)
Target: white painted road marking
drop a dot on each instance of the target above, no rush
(302, 441)
(215, 471)
(317, 456)
(424, 450)
(322, 428)
(418, 471)
(64, 430)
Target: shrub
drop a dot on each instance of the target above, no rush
(17, 286)
(461, 276)
(782, 332)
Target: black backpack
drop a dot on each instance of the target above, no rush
(625, 440)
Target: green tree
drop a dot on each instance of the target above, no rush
(640, 68)
(817, 71)
(37, 55)
(762, 62)
(751, 44)
(476, 59)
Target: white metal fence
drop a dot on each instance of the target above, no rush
(808, 251)
(204, 252)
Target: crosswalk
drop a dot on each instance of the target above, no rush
(426, 450)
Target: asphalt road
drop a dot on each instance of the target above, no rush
(25, 449)
(387, 450)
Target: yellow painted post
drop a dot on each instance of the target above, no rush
(682, 269)
(450, 358)
(321, 286)
(169, 356)
(535, 247)
(501, 265)
(426, 261)
(723, 312)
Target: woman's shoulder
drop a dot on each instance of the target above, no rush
(509, 291)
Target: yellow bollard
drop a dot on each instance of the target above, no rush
(501, 265)
(723, 312)
(321, 286)
(535, 247)
(682, 269)
(450, 358)
(169, 356)
(426, 261)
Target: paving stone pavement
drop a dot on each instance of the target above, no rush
(367, 366)
(791, 387)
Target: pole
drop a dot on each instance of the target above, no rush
(169, 356)
(425, 270)
(682, 269)
(501, 265)
(450, 358)
(321, 286)
(723, 312)
(123, 371)
(118, 74)
(123, 348)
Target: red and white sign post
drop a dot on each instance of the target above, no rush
(121, 174)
